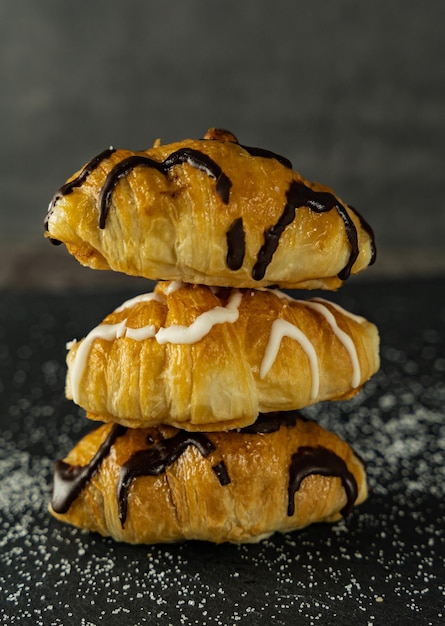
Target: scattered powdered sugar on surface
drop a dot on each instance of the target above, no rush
(384, 564)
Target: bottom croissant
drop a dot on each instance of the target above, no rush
(161, 484)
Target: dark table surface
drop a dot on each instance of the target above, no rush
(383, 565)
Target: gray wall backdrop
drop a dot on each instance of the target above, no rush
(352, 92)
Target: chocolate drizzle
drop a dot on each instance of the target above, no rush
(195, 158)
(222, 474)
(308, 461)
(298, 196)
(68, 187)
(119, 171)
(267, 154)
(155, 460)
(236, 245)
(69, 480)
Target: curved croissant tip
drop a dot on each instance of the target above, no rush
(221, 135)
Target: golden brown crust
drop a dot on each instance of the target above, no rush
(187, 501)
(173, 223)
(232, 372)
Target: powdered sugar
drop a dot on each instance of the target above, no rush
(383, 564)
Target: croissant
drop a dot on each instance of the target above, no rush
(201, 358)
(209, 211)
(163, 485)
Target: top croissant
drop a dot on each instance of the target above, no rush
(209, 211)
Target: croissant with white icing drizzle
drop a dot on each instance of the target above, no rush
(162, 484)
(201, 358)
(209, 211)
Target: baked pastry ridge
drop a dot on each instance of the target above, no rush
(185, 352)
(209, 211)
(162, 484)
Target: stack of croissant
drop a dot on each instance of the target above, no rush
(199, 383)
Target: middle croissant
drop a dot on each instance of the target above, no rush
(184, 352)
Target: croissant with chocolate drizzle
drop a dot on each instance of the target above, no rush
(209, 211)
(162, 484)
(202, 358)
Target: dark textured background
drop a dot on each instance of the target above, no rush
(353, 93)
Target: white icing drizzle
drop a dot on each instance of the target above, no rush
(172, 334)
(285, 296)
(203, 323)
(173, 286)
(282, 328)
(318, 304)
(144, 297)
(357, 318)
(140, 334)
(109, 332)
(282, 295)
(343, 337)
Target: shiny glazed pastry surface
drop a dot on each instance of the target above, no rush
(162, 484)
(211, 359)
(209, 211)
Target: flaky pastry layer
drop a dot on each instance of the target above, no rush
(209, 211)
(163, 485)
(212, 359)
